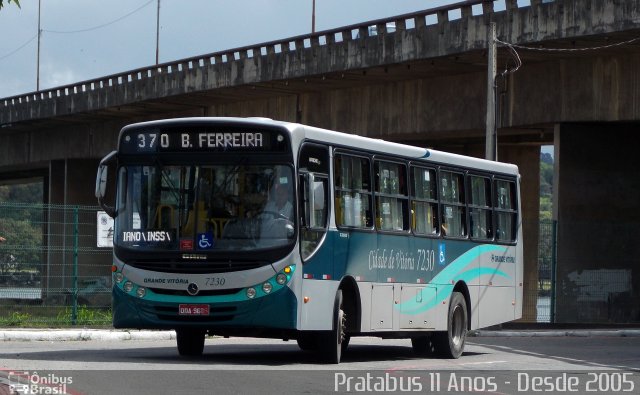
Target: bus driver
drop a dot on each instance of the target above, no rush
(279, 203)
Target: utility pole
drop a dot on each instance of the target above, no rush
(491, 148)
(313, 17)
(158, 34)
(38, 55)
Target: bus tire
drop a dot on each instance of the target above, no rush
(450, 344)
(190, 342)
(332, 342)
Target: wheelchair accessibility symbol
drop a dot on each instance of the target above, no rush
(205, 241)
(442, 259)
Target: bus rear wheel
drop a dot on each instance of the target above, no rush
(450, 344)
(333, 342)
(190, 342)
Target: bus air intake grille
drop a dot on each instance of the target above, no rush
(204, 292)
(196, 267)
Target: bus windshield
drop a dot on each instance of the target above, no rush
(208, 208)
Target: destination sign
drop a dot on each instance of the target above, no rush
(201, 140)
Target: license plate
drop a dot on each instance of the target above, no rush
(193, 309)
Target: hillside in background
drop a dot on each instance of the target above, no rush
(21, 193)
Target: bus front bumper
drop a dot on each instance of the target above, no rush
(278, 310)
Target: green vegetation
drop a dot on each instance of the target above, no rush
(546, 185)
(21, 193)
(84, 316)
(17, 2)
(545, 242)
(21, 222)
(35, 316)
(15, 319)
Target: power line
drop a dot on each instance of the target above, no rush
(516, 58)
(568, 49)
(19, 48)
(100, 26)
(75, 31)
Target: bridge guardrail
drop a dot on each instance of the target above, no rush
(416, 20)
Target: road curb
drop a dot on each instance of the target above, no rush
(124, 335)
(83, 335)
(559, 333)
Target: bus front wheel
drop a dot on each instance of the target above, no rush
(333, 342)
(450, 344)
(190, 342)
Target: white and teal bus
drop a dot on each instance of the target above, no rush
(259, 228)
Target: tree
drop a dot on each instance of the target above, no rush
(21, 251)
(31, 192)
(546, 185)
(9, 2)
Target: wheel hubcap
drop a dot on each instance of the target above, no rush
(457, 326)
(342, 320)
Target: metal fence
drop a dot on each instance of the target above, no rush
(51, 272)
(544, 296)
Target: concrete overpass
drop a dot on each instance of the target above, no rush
(424, 82)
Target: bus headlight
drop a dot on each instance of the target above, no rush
(128, 286)
(118, 277)
(141, 292)
(281, 278)
(251, 293)
(267, 287)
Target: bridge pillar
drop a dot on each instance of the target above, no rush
(598, 213)
(527, 158)
(71, 183)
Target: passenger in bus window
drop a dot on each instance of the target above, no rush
(444, 227)
(2, 239)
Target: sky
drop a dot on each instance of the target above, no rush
(87, 39)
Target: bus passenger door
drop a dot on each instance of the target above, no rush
(314, 206)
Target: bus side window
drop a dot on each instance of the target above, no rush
(424, 204)
(454, 218)
(353, 191)
(391, 196)
(480, 218)
(506, 210)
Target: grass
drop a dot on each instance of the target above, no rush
(33, 316)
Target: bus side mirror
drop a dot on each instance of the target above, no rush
(318, 195)
(315, 200)
(101, 182)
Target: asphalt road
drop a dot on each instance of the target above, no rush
(270, 366)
